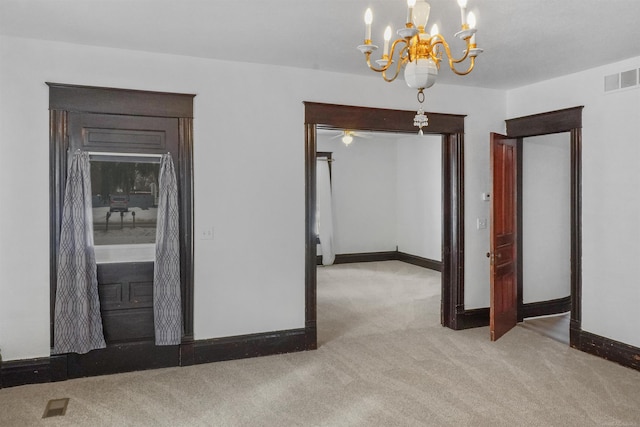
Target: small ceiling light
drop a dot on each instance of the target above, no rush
(347, 138)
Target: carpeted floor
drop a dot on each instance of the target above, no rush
(383, 360)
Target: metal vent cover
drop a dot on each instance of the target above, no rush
(623, 80)
(628, 78)
(56, 408)
(611, 82)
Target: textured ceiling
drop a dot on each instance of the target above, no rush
(525, 41)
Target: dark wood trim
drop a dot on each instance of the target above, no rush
(59, 144)
(85, 99)
(366, 257)
(310, 279)
(567, 120)
(185, 166)
(34, 371)
(119, 101)
(328, 155)
(58, 364)
(519, 227)
(21, 372)
(125, 357)
(378, 119)
(427, 263)
(453, 231)
(385, 256)
(546, 308)
(615, 351)
(545, 123)
(474, 318)
(451, 126)
(143, 356)
(576, 233)
(254, 345)
(187, 355)
(478, 317)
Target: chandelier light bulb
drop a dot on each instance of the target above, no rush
(387, 33)
(472, 24)
(463, 11)
(387, 37)
(421, 14)
(410, 4)
(347, 139)
(368, 19)
(435, 30)
(471, 19)
(368, 16)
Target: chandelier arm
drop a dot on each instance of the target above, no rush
(401, 62)
(390, 58)
(452, 60)
(373, 67)
(472, 63)
(443, 42)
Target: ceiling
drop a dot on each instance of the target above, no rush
(525, 41)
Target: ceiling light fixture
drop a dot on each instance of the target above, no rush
(419, 52)
(347, 138)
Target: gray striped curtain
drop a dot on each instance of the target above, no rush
(77, 320)
(166, 274)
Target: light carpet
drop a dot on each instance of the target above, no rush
(383, 360)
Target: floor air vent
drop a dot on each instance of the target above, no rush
(56, 408)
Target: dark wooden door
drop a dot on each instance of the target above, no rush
(504, 236)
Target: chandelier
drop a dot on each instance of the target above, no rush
(420, 52)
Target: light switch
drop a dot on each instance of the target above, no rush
(482, 223)
(206, 233)
(486, 197)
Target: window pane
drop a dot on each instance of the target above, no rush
(124, 201)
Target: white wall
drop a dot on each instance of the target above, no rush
(546, 217)
(610, 195)
(249, 177)
(386, 193)
(419, 196)
(363, 178)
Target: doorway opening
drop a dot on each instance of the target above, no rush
(550, 123)
(451, 127)
(384, 231)
(546, 234)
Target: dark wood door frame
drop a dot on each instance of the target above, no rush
(559, 121)
(65, 99)
(451, 127)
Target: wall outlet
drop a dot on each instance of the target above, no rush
(206, 233)
(482, 223)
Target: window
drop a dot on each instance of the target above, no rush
(124, 201)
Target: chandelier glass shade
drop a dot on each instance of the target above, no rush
(420, 53)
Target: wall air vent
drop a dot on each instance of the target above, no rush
(611, 82)
(624, 80)
(628, 79)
